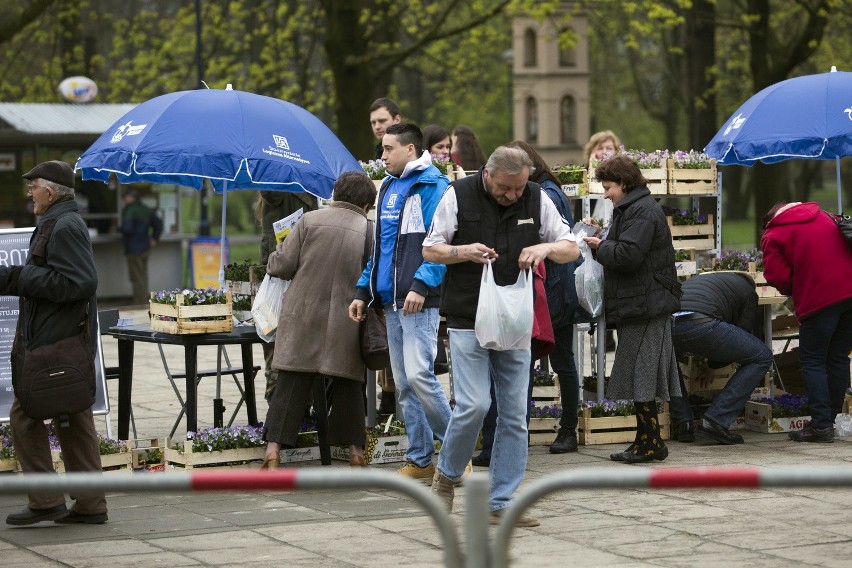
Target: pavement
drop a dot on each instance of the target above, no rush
(377, 528)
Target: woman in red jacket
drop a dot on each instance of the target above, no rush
(804, 255)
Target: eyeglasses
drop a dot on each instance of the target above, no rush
(31, 187)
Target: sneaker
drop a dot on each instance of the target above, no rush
(444, 489)
(524, 521)
(709, 430)
(811, 434)
(27, 516)
(75, 518)
(565, 442)
(412, 470)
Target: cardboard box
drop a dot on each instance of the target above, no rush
(293, 455)
(387, 449)
(758, 418)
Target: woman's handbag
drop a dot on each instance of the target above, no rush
(844, 223)
(373, 331)
(504, 314)
(56, 380)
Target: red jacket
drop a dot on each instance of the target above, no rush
(804, 255)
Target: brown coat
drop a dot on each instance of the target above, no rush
(322, 256)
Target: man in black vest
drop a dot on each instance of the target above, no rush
(496, 216)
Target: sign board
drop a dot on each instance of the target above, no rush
(204, 261)
(14, 248)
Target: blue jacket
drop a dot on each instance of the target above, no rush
(410, 271)
(560, 286)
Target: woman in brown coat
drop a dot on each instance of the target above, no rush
(322, 257)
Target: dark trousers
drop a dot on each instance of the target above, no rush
(80, 452)
(825, 340)
(137, 267)
(291, 396)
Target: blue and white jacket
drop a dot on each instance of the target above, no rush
(410, 272)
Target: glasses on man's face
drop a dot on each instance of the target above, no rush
(31, 187)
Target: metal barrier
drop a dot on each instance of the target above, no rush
(658, 478)
(281, 480)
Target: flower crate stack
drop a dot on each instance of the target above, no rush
(690, 230)
(691, 173)
(544, 422)
(651, 164)
(614, 422)
(783, 413)
(192, 311)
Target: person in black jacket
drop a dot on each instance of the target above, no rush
(719, 320)
(641, 291)
(55, 292)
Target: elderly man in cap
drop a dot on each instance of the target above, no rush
(57, 289)
(141, 229)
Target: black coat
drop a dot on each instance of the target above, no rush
(640, 280)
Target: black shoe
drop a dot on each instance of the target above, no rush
(685, 432)
(811, 434)
(619, 456)
(75, 518)
(29, 516)
(565, 442)
(709, 430)
(630, 457)
(481, 460)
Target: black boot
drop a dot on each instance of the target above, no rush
(565, 442)
(388, 404)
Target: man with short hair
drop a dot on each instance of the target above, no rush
(408, 288)
(496, 216)
(383, 113)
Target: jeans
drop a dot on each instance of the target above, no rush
(725, 343)
(473, 370)
(562, 363)
(412, 343)
(825, 340)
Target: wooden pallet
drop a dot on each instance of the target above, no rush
(615, 429)
(692, 181)
(184, 319)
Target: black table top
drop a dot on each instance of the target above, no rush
(143, 332)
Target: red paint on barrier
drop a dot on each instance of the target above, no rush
(704, 477)
(281, 479)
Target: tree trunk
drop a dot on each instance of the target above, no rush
(700, 54)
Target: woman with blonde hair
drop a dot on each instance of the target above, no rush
(600, 145)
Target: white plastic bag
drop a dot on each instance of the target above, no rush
(843, 425)
(267, 306)
(589, 277)
(504, 314)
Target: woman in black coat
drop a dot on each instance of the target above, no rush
(641, 291)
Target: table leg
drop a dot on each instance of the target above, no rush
(191, 364)
(125, 386)
(767, 338)
(248, 383)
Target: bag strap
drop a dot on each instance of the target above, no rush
(368, 243)
(39, 253)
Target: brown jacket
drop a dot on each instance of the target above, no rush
(322, 256)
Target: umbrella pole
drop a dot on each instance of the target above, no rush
(222, 237)
(839, 189)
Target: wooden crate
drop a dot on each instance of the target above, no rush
(692, 181)
(615, 429)
(140, 453)
(657, 181)
(693, 237)
(122, 461)
(695, 368)
(548, 393)
(188, 459)
(8, 464)
(184, 319)
(542, 431)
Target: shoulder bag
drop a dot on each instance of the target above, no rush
(55, 380)
(374, 332)
(844, 223)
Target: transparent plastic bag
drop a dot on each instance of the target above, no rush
(588, 277)
(843, 425)
(267, 306)
(504, 314)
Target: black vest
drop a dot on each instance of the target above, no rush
(508, 230)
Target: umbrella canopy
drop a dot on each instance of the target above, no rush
(236, 139)
(806, 117)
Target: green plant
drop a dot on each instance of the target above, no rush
(191, 297)
(788, 405)
(237, 272)
(218, 439)
(375, 169)
(547, 411)
(443, 163)
(681, 255)
(734, 259)
(569, 174)
(684, 217)
(242, 302)
(542, 379)
(108, 446)
(691, 160)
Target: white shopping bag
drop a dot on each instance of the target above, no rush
(267, 306)
(504, 314)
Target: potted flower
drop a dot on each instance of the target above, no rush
(614, 421)
(590, 387)
(652, 165)
(572, 179)
(376, 170)
(243, 277)
(8, 457)
(217, 447)
(544, 385)
(685, 262)
(191, 311)
(115, 454)
(780, 414)
(544, 422)
(242, 307)
(691, 173)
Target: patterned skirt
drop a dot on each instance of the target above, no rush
(645, 364)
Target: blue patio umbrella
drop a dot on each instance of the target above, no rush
(236, 139)
(806, 117)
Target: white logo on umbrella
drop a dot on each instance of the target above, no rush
(736, 122)
(127, 130)
(848, 112)
(280, 141)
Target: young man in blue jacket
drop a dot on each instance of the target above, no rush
(408, 288)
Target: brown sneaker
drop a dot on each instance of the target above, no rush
(523, 521)
(444, 489)
(412, 470)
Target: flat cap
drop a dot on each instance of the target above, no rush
(55, 171)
